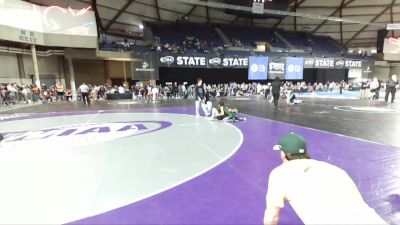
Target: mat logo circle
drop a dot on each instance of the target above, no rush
(82, 134)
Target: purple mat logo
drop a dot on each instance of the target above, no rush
(83, 133)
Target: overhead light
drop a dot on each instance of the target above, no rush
(141, 27)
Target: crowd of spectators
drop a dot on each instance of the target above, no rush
(188, 44)
(124, 45)
(13, 93)
(236, 42)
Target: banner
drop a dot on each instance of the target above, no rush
(309, 63)
(367, 69)
(145, 67)
(324, 63)
(202, 61)
(276, 65)
(353, 64)
(276, 68)
(294, 68)
(258, 68)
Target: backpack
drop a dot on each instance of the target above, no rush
(391, 83)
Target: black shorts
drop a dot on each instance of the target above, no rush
(60, 93)
(220, 117)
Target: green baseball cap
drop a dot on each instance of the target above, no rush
(292, 143)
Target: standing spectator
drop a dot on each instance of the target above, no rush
(276, 89)
(24, 94)
(60, 91)
(374, 87)
(363, 90)
(35, 93)
(154, 92)
(199, 95)
(391, 86)
(341, 84)
(84, 89)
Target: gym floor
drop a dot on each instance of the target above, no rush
(173, 168)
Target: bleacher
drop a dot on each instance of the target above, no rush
(312, 43)
(176, 34)
(249, 35)
(302, 44)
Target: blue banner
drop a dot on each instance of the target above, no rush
(258, 68)
(294, 68)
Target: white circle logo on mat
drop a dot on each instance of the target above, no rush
(71, 135)
(59, 168)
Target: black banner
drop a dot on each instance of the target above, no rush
(276, 68)
(367, 69)
(145, 67)
(332, 63)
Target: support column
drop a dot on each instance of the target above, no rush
(61, 70)
(21, 69)
(124, 69)
(72, 78)
(35, 66)
(107, 72)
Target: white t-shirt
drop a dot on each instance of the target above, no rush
(154, 91)
(84, 88)
(320, 193)
(121, 90)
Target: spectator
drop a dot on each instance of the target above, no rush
(60, 91)
(35, 93)
(84, 89)
(391, 86)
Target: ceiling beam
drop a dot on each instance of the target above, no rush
(341, 23)
(235, 19)
(191, 10)
(207, 13)
(373, 20)
(295, 18)
(346, 31)
(116, 16)
(348, 7)
(332, 14)
(157, 10)
(154, 18)
(296, 5)
(96, 13)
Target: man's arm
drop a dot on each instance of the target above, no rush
(275, 198)
(271, 216)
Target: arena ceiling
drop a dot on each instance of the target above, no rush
(121, 16)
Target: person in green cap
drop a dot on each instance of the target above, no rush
(320, 193)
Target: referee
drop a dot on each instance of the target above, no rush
(320, 193)
(276, 90)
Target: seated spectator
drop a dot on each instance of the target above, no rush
(121, 90)
(46, 97)
(68, 94)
